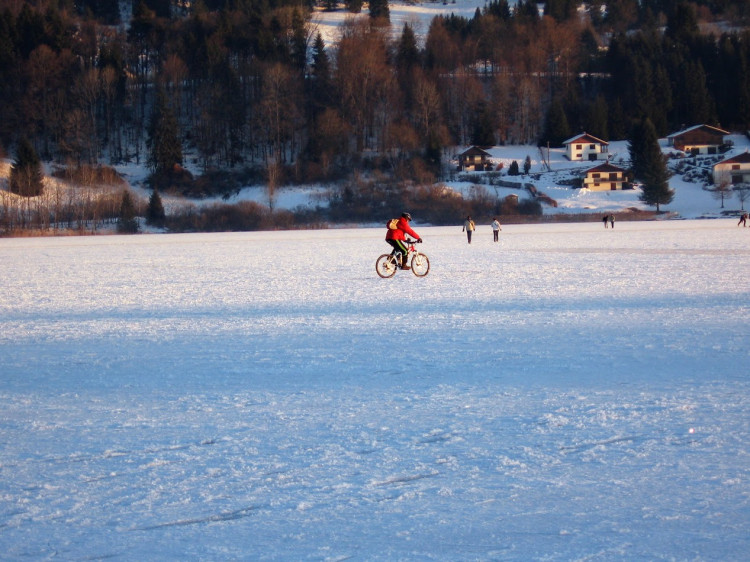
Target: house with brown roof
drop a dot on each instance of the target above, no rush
(699, 139)
(586, 147)
(475, 159)
(733, 171)
(605, 177)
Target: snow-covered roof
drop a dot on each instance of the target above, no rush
(475, 150)
(742, 158)
(607, 167)
(585, 137)
(695, 128)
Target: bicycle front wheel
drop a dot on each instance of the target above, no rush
(386, 266)
(420, 265)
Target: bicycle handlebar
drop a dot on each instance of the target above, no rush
(412, 241)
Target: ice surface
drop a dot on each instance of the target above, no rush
(568, 393)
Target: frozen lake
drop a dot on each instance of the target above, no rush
(569, 393)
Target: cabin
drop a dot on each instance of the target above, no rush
(586, 147)
(474, 159)
(733, 171)
(605, 177)
(700, 139)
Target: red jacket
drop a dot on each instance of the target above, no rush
(402, 228)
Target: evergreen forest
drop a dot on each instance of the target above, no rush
(248, 91)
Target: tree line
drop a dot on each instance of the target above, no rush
(250, 92)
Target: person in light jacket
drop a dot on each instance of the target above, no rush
(468, 227)
(495, 228)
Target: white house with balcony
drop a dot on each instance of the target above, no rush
(586, 147)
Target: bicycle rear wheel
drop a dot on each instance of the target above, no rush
(420, 265)
(386, 266)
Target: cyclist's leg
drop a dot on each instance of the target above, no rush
(396, 247)
(404, 252)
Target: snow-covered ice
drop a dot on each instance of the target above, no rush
(570, 393)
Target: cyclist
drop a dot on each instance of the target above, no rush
(396, 236)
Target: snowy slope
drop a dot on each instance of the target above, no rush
(569, 393)
(417, 14)
(691, 199)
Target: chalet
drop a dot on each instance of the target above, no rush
(586, 147)
(474, 159)
(734, 170)
(700, 139)
(605, 177)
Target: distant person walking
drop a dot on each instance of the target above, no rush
(743, 220)
(605, 218)
(612, 220)
(495, 228)
(468, 227)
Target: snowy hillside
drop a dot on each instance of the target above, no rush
(691, 199)
(569, 393)
(417, 14)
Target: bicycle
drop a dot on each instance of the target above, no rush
(387, 264)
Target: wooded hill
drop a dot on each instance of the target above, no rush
(251, 94)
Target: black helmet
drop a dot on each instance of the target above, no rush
(407, 216)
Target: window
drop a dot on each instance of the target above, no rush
(735, 166)
(592, 146)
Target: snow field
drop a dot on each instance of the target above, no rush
(568, 393)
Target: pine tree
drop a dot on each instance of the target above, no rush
(433, 152)
(649, 165)
(299, 41)
(643, 138)
(354, 6)
(556, 128)
(407, 52)
(527, 165)
(379, 10)
(498, 8)
(655, 189)
(513, 168)
(321, 82)
(128, 223)
(26, 171)
(617, 126)
(484, 126)
(165, 149)
(597, 118)
(155, 215)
